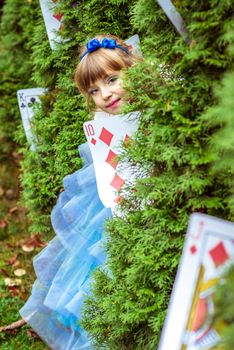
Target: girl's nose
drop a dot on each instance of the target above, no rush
(106, 93)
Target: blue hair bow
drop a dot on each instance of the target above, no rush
(95, 44)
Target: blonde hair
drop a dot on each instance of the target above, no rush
(95, 65)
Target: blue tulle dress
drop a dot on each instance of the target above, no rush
(64, 267)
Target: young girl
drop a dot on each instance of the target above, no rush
(64, 267)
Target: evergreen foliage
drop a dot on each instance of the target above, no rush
(225, 309)
(173, 87)
(58, 124)
(185, 115)
(222, 148)
(15, 65)
(222, 143)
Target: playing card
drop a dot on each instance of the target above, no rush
(175, 18)
(52, 19)
(27, 98)
(134, 43)
(208, 251)
(105, 136)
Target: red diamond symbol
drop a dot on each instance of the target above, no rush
(112, 159)
(93, 141)
(193, 249)
(106, 136)
(117, 182)
(118, 199)
(58, 16)
(127, 140)
(219, 254)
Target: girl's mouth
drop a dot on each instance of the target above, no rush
(114, 103)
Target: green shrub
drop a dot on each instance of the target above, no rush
(16, 27)
(174, 89)
(183, 117)
(63, 109)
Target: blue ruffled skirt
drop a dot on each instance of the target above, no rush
(64, 267)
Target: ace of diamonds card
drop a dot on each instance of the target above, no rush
(208, 252)
(53, 21)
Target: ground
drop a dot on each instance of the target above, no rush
(17, 248)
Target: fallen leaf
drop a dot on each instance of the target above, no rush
(16, 263)
(12, 210)
(14, 291)
(10, 194)
(11, 282)
(23, 295)
(5, 272)
(15, 154)
(1, 191)
(3, 224)
(35, 241)
(12, 260)
(27, 248)
(19, 272)
(32, 334)
(11, 246)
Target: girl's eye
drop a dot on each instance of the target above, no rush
(93, 91)
(113, 79)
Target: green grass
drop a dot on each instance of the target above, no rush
(19, 338)
(12, 237)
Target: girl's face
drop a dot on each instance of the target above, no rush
(107, 93)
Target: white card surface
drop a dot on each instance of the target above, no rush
(105, 136)
(134, 43)
(53, 21)
(27, 98)
(175, 18)
(208, 252)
